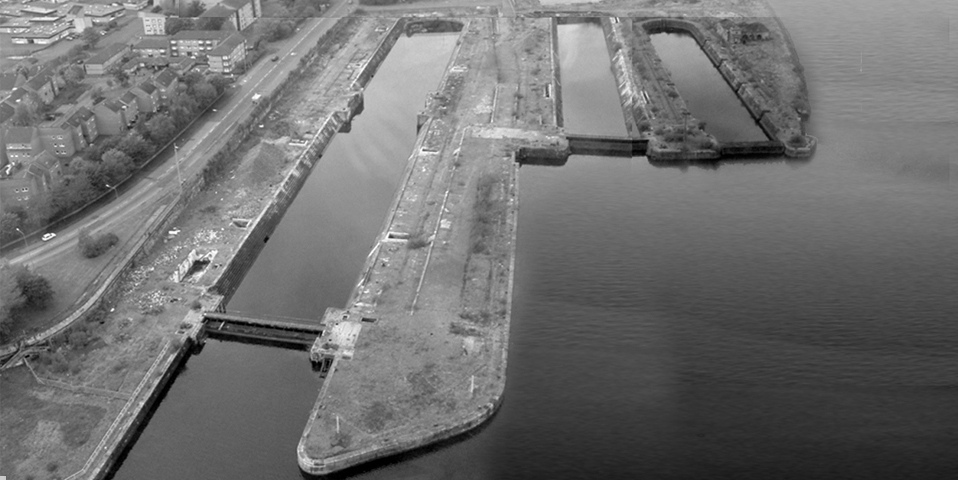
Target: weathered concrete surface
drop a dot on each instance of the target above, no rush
(422, 348)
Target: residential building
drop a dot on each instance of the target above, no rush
(44, 84)
(21, 184)
(6, 112)
(102, 61)
(166, 82)
(194, 42)
(85, 120)
(152, 47)
(10, 81)
(57, 141)
(20, 144)
(153, 23)
(111, 118)
(131, 102)
(238, 14)
(148, 96)
(183, 65)
(228, 56)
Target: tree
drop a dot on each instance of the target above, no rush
(115, 166)
(195, 9)
(119, 75)
(36, 290)
(161, 128)
(210, 23)
(136, 147)
(11, 298)
(174, 25)
(25, 114)
(97, 94)
(219, 82)
(91, 247)
(204, 93)
(90, 37)
(73, 74)
(9, 223)
(190, 79)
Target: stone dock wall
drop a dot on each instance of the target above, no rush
(628, 86)
(143, 409)
(556, 74)
(755, 101)
(265, 223)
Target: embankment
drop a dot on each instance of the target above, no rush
(758, 104)
(265, 223)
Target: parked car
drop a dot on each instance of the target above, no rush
(48, 236)
(275, 57)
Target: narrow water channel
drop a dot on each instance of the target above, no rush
(589, 92)
(706, 93)
(237, 411)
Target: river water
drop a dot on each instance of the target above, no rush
(756, 320)
(705, 92)
(236, 411)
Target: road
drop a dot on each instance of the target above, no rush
(139, 202)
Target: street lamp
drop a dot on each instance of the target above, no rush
(22, 235)
(114, 190)
(179, 176)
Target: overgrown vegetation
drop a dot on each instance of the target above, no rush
(91, 247)
(20, 290)
(417, 240)
(486, 213)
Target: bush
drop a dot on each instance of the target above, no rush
(417, 241)
(91, 247)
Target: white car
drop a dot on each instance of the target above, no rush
(48, 236)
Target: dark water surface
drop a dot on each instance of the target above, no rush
(237, 411)
(770, 320)
(587, 81)
(708, 97)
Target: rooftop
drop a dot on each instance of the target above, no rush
(153, 42)
(107, 53)
(227, 46)
(18, 135)
(200, 35)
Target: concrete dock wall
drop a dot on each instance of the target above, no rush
(130, 426)
(556, 75)
(264, 225)
(376, 59)
(627, 84)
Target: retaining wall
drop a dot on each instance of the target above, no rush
(263, 226)
(622, 70)
(232, 275)
(382, 50)
(170, 367)
(556, 75)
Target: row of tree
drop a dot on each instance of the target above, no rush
(112, 159)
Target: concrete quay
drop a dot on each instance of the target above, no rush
(418, 355)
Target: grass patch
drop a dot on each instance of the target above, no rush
(417, 241)
(22, 414)
(487, 213)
